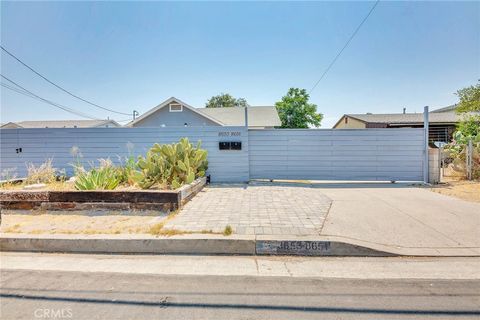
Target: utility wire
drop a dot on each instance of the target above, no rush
(48, 102)
(345, 46)
(59, 87)
(22, 90)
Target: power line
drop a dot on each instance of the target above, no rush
(345, 46)
(30, 94)
(83, 115)
(59, 87)
(58, 106)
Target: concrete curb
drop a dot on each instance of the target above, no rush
(217, 244)
(129, 244)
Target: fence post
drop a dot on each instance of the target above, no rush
(425, 129)
(469, 159)
(440, 163)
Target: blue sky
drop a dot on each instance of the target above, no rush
(134, 55)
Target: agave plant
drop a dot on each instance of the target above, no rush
(102, 178)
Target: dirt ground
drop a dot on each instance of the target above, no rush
(466, 190)
(77, 223)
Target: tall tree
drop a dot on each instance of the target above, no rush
(296, 112)
(224, 100)
(469, 98)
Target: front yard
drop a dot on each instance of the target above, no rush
(466, 190)
(78, 223)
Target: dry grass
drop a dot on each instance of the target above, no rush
(228, 230)
(159, 229)
(54, 186)
(466, 190)
(44, 173)
(76, 224)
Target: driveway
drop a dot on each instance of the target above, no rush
(374, 214)
(255, 210)
(405, 217)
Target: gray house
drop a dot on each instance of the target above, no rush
(174, 112)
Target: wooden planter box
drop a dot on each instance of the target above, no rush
(163, 200)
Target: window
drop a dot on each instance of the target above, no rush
(346, 120)
(176, 107)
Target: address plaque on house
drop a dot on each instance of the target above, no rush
(229, 134)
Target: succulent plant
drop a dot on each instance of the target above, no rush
(171, 165)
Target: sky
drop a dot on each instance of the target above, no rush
(133, 55)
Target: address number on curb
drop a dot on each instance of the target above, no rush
(294, 247)
(304, 245)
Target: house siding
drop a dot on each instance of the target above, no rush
(171, 119)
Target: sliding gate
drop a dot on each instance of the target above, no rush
(331, 154)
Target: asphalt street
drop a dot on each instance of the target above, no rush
(43, 294)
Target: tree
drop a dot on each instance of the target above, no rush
(470, 126)
(224, 100)
(469, 98)
(295, 111)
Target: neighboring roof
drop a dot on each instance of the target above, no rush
(264, 116)
(407, 118)
(234, 116)
(445, 109)
(9, 125)
(62, 123)
(166, 103)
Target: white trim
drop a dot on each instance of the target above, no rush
(175, 105)
(166, 103)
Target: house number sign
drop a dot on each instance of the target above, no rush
(309, 248)
(229, 134)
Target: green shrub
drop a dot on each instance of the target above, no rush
(171, 165)
(468, 130)
(104, 177)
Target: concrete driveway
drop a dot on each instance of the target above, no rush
(404, 218)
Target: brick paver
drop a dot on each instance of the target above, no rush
(255, 209)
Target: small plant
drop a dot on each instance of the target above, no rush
(45, 173)
(8, 176)
(77, 162)
(104, 177)
(126, 171)
(228, 230)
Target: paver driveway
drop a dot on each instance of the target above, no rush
(255, 209)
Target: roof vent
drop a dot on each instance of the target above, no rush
(176, 107)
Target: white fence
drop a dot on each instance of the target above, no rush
(323, 154)
(363, 154)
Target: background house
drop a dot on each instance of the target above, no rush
(174, 112)
(442, 122)
(61, 124)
